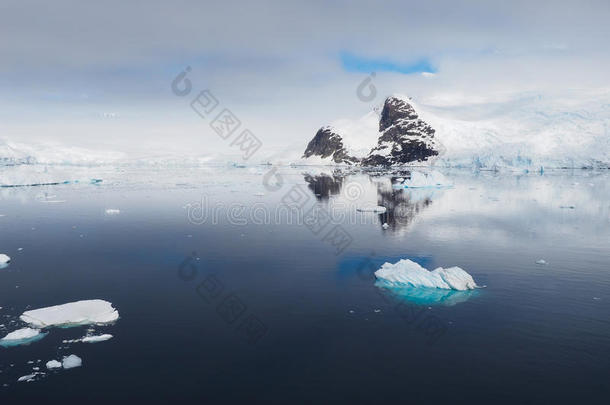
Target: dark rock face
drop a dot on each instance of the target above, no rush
(405, 138)
(327, 143)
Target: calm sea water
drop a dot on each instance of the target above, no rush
(224, 294)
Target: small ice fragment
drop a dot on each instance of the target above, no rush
(72, 314)
(377, 311)
(27, 378)
(35, 368)
(71, 361)
(596, 298)
(53, 364)
(4, 258)
(541, 261)
(19, 249)
(432, 179)
(95, 339)
(113, 211)
(377, 208)
(385, 225)
(351, 311)
(259, 194)
(400, 179)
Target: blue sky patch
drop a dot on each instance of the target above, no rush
(353, 63)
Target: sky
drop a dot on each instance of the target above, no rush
(99, 74)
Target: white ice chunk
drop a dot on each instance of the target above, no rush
(407, 272)
(4, 258)
(72, 314)
(113, 211)
(378, 209)
(72, 361)
(385, 225)
(53, 364)
(95, 339)
(541, 261)
(27, 378)
(432, 179)
(20, 334)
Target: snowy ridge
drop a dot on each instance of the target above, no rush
(524, 131)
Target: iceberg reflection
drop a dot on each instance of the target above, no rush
(426, 295)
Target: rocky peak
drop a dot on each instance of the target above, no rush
(327, 143)
(403, 138)
(395, 109)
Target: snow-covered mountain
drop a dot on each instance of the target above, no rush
(14, 153)
(398, 136)
(522, 131)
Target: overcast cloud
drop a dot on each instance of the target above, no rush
(98, 74)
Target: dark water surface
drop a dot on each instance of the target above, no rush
(223, 296)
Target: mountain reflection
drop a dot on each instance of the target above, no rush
(323, 186)
(402, 205)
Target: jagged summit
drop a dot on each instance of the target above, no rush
(404, 137)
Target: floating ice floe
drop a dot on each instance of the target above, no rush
(91, 339)
(378, 209)
(541, 261)
(422, 180)
(29, 377)
(385, 225)
(53, 364)
(408, 273)
(4, 261)
(72, 314)
(113, 211)
(98, 338)
(71, 361)
(22, 336)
